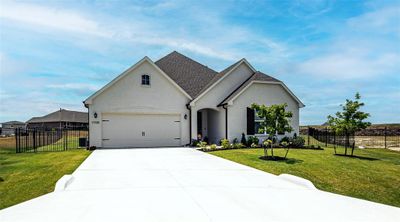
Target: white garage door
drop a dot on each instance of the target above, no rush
(140, 130)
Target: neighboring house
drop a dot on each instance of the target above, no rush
(59, 119)
(176, 99)
(8, 128)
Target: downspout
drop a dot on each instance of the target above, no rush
(88, 125)
(190, 124)
(225, 106)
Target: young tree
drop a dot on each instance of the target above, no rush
(276, 120)
(350, 120)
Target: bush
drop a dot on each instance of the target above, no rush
(243, 140)
(238, 145)
(286, 139)
(195, 142)
(298, 142)
(213, 146)
(251, 140)
(267, 143)
(235, 140)
(284, 144)
(202, 144)
(225, 143)
(253, 145)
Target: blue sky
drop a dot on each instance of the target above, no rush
(55, 54)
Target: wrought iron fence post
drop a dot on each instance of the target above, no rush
(385, 136)
(34, 140)
(326, 137)
(334, 140)
(16, 140)
(308, 136)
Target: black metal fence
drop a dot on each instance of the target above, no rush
(42, 139)
(369, 138)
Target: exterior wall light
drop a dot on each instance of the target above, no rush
(95, 115)
(185, 116)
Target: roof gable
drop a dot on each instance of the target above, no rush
(190, 75)
(258, 77)
(221, 75)
(126, 72)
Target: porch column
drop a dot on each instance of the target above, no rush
(194, 124)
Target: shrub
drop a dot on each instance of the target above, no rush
(213, 146)
(235, 140)
(267, 142)
(298, 142)
(202, 144)
(195, 142)
(251, 140)
(225, 143)
(238, 145)
(284, 144)
(243, 140)
(286, 139)
(253, 145)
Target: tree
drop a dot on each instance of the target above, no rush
(350, 120)
(276, 120)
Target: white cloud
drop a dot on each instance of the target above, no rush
(350, 65)
(75, 86)
(10, 66)
(73, 22)
(359, 50)
(54, 18)
(385, 20)
(222, 44)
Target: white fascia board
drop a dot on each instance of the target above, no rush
(301, 104)
(219, 80)
(145, 59)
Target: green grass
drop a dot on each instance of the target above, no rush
(25, 176)
(373, 175)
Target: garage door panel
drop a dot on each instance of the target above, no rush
(124, 130)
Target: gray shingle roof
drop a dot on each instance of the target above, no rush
(14, 122)
(257, 76)
(194, 78)
(190, 75)
(218, 76)
(62, 115)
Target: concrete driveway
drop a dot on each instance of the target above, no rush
(182, 184)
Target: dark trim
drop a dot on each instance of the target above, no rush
(226, 120)
(190, 123)
(250, 121)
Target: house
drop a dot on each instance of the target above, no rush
(59, 119)
(8, 128)
(175, 100)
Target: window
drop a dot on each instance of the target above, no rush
(146, 80)
(258, 124)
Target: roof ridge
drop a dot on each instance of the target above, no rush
(259, 72)
(186, 57)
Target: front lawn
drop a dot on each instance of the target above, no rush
(25, 176)
(374, 175)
